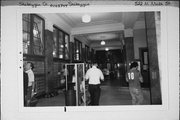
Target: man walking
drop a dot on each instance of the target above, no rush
(94, 75)
(134, 77)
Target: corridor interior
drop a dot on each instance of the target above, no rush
(111, 39)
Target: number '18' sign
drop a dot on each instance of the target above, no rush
(131, 76)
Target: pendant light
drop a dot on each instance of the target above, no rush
(107, 49)
(103, 42)
(86, 18)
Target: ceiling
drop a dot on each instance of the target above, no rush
(127, 19)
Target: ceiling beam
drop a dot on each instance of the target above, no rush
(110, 48)
(108, 43)
(97, 29)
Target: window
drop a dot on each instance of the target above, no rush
(26, 34)
(66, 46)
(38, 46)
(86, 53)
(55, 45)
(77, 50)
(60, 44)
(33, 34)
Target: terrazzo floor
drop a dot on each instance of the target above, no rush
(111, 94)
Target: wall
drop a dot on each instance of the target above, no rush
(139, 41)
(139, 34)
(139, 37)
(50, 20)
(158, 36)
(57, 21)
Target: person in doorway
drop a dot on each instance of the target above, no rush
(30, 90)
(134, 78)
(94, 75)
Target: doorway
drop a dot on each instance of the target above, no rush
(112, 64)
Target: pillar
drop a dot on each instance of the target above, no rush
(129, 49)
(129, 46)
(153, 58)
(50, 82)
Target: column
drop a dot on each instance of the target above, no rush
(153, 58)
(50, 81)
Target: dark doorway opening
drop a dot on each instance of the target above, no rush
(112, 63)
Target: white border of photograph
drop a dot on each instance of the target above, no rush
(12, 74)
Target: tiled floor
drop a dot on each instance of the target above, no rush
(111, 94)
(58, 100)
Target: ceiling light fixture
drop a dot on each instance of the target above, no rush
(103, 42)
(86, 18)
(107, 49)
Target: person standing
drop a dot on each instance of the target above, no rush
(25, 78)
(134, 77)
(94, 75)
(30, 90)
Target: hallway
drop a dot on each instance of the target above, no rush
(54, 42)
(111, 94)
(47, 36)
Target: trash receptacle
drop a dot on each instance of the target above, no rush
(70, 98)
